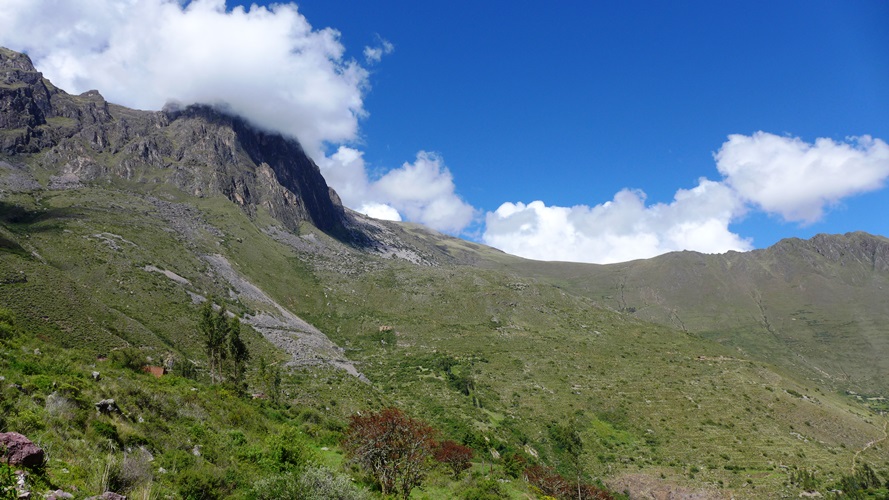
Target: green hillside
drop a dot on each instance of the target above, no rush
(491, 358)
(816, 308)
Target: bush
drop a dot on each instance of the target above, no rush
(286, 452)
(201, 483)
(7, 324)
(485, 489)
(456, 456)
(277, 486)
(105, 430)
(551, 483)
(128, 357)
(7, 482)
(320, 483)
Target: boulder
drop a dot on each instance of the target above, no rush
(107, 407)
(19, 450)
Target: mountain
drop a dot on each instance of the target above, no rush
(682, 375)
(815, 307)
(198, 149)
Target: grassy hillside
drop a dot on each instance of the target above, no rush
(815, 308)
(495, 358)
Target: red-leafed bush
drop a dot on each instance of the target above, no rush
(392, 447)
(456, 456)
(555, 485)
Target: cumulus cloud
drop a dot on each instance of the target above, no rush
(624, 228)
(762, 171)
(796, 179)
(380, 211)
(422, 191)
(267, 64)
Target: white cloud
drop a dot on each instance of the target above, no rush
(787, 176)
(373, 55)
(268, 64)
(380, 211)
(781, 175)
(621, 229)
(422, 191)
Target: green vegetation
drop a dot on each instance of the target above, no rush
(522, 372)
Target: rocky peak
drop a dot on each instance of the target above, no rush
(858, 248)
(11, 60)
(200, 149)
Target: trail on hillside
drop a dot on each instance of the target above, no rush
(868, 445)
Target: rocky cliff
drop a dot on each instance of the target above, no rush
(199, 149)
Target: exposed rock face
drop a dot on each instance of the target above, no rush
(20, 451)
(199, 149)
(845, 249)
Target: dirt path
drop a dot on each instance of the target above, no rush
(868, 445)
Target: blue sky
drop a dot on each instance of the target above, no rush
(581, 106)
(571, 102)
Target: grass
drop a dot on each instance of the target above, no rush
(490, 357)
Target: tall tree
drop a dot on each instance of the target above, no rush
(270, 379)
(567, 439)
(236, 352)
(222, 340)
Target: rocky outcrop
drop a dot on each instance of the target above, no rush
(199, 149)
(19, 451)
(107, 407)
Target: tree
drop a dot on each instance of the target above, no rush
(392, 447)
(456, 456)
(222, 340)
(270, 379)
(236, 352)
(567, 439)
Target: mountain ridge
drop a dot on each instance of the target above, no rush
(198, 149)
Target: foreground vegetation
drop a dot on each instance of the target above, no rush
(176, 436)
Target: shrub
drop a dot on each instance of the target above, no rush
(485, 489)
(551, 483)
(286, 452)
(201, 483)
(320, 483)
(7, 481)
(456, 456)
(128, 357)
(277, 486)
(105, 430)
(392, 447)
(7, 324)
